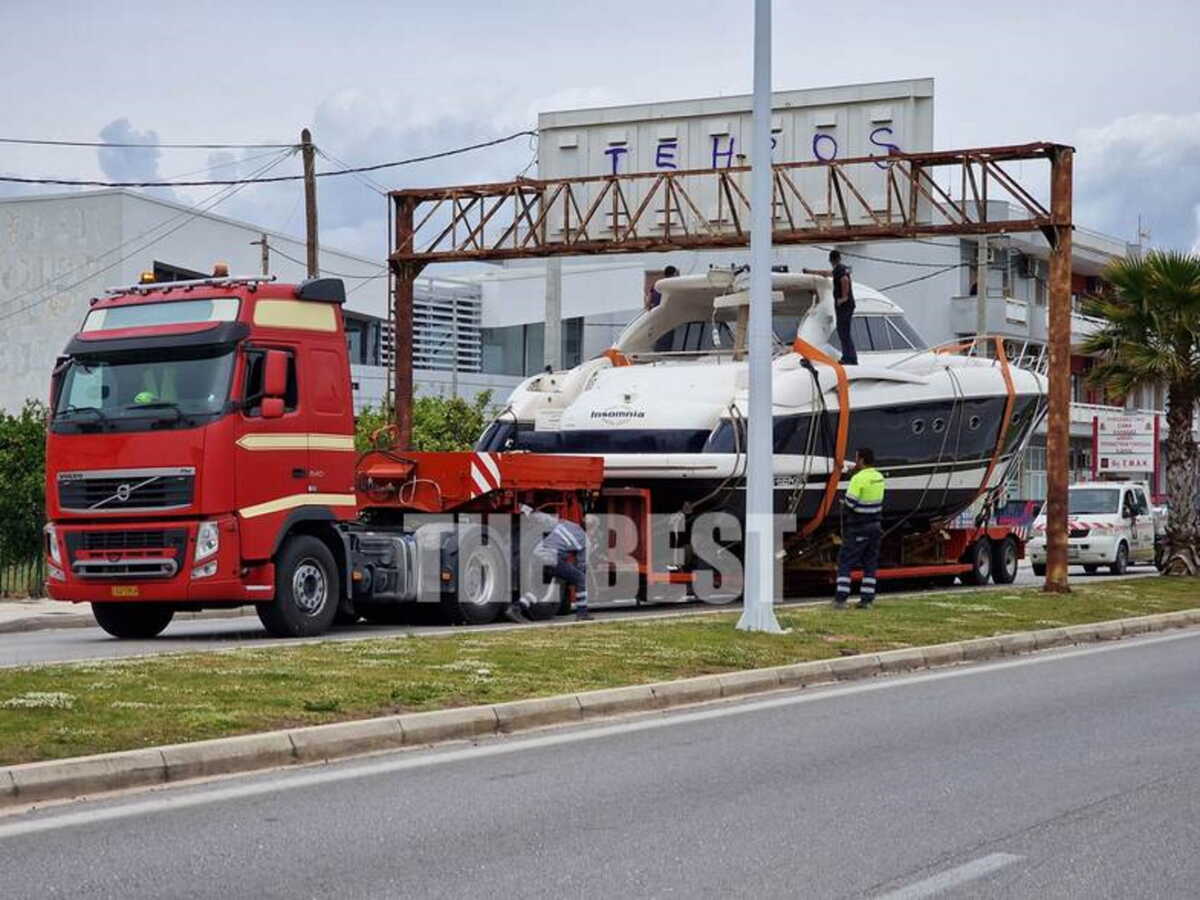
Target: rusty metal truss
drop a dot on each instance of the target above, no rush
(866, 198)
(905, 195)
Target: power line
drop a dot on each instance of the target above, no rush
(280, 157)
(273, 179)
(131, 146)
(923, 277)
(212, 202)
(325, 271)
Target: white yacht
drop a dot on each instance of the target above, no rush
(665, 406)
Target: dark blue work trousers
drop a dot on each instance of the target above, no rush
(860, 550)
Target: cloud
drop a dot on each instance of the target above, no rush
(1147, 165)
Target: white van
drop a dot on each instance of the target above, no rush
(1109, 523)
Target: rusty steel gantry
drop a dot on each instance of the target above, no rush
(838, 201)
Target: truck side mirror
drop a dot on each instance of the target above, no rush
(275, 376)
(272, 407)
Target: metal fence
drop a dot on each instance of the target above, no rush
(22, 574)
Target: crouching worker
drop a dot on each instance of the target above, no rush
(561, 540)
(862, 530)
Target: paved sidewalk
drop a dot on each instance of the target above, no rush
(44, 613)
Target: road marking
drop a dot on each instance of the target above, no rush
(324, 773)
(951, 878)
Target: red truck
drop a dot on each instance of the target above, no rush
(201, 454)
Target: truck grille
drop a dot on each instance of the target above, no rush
(123, 540)
(126, 554)
(119, 491)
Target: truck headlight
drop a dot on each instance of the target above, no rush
(52, 544)
(208, 540)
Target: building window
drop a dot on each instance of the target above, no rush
(363, 340)
(520, 349)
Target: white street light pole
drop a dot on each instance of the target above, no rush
(758, 611)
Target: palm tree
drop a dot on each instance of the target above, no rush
(1151, 335)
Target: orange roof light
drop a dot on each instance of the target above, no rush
(146, 278)
(221, 270)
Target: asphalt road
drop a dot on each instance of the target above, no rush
(65, 644)
(1064, 774)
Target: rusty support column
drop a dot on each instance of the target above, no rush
(1058, 420)
(402, 318)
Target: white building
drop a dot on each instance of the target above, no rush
(59, 250)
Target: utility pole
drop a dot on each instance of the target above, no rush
(552, 345)
(981, 282)
(758, 597)
(266, 253)
(307, 152)
(1058, 419)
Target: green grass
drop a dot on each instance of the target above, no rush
(98, 706)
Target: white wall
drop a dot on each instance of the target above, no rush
(58, 251)
(51, 254)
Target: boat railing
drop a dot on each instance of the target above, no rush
(998, 350)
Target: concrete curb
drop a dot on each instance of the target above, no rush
(69, 778)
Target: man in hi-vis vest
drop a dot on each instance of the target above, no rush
(862, 530)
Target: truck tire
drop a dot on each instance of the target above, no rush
(133, 621)
(980, 558)
(306, 590)
(1039, 569)
(1004, 560)
(1090, 570)
(484, 582)
(1120, 565)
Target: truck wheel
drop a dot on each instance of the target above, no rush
(484, 583)
(1090, 570)
(306, 590)
(1121, 564)
(133, 621)
(1004, 561)
(980, 558)
(1039, 569)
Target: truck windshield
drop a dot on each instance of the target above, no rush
(1096, 501)
(155, 389)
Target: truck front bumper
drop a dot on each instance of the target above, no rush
(230, 584)
(1093, 550)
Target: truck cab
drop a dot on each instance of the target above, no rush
(1110, 523)
(199, 431)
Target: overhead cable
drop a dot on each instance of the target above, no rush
(74, 182)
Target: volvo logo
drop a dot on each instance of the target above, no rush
(123, 492)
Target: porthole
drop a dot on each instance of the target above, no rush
(973, 423)
(918, 426)
(939, 425)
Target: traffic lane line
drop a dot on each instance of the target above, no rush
(278, 780)
(952, 878)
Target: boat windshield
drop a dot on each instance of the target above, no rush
(881, 332)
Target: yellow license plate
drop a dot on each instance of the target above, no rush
(124, 590)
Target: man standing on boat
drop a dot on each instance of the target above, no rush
(843, 304)
(862, 530)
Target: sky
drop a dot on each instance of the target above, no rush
(379, 81)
